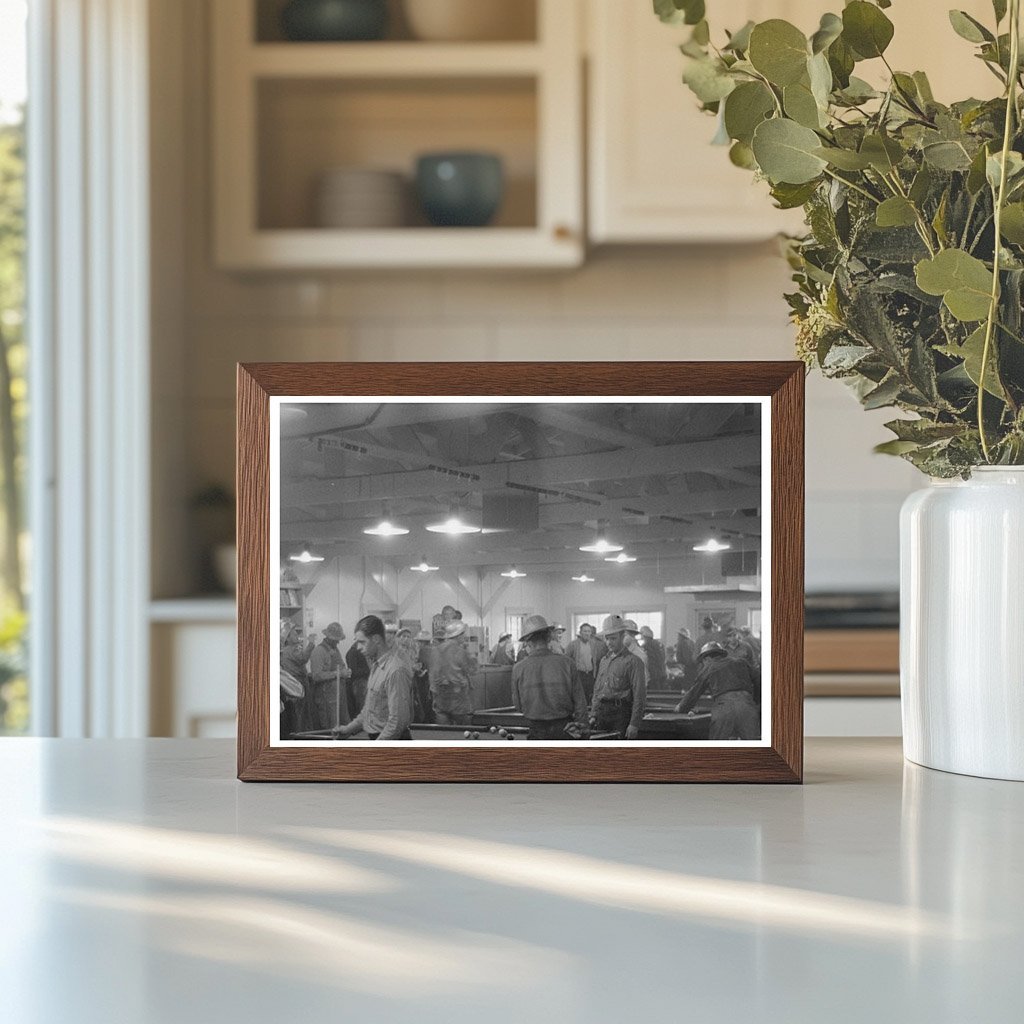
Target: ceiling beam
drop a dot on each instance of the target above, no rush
(348, 416)
(694, 456)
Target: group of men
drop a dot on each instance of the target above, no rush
(597, 684)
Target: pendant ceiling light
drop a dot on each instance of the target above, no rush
(601, 546)
(306, 557)
(424, 566)
(584, 578)
(514, 574)
(385, 528)
(621, 558)
(453, 526)
(712, 544)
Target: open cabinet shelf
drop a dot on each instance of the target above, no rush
(288, 114)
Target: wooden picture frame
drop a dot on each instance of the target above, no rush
(778, 386)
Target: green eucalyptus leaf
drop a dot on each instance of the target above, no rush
(858, 91)
(883, 153)
(739, 41)
(969, 28)
(963, 281)
(676, 12)
(946, 156)
(779, 51)
(923, 431)
(921, 185)
(896, 447)
(999, 7)
(788, 196)
(1012, 223)
(924, 87)
(972, 352)
(785, 152)
(841, 60)
(820, 76)
(830, 29)
(844, 159)
(800, 105)
(896, 212)
(866, 29)
(741, 155)
(701, 33)
(994, 169)
(976, 174)
(707, 80)
(745, 108)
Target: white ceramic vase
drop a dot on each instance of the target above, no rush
(962, 624)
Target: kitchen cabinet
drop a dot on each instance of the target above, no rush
(287, 113)
(653, 175)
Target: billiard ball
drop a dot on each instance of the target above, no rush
(502, 732)
(467, 734)
(476, 735)
(494, 728)
(510, 737)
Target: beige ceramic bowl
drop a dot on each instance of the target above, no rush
(471, 20)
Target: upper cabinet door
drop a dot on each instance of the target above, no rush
(654, 175)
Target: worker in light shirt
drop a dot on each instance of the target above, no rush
(586, 652)
(620, 692)
(387, 713)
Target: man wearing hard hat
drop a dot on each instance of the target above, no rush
(451, 674)
(546, 687)
(620, 690)
(732, 684)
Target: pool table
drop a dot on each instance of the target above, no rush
(449, 733)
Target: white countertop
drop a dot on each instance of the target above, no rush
(143, 884)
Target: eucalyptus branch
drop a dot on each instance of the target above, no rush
(1000, 198)
(853, 185)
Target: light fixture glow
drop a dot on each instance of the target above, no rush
(584, 578)
(713, 544)
(306, 557)
(424, 567)
(514, 574)
(386, 529)
(621, 558)
(601, 546)
(453, 526)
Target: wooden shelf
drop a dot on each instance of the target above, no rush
(393, 60)
(401, 247)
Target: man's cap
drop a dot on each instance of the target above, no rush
(631, 626)
(334, 631)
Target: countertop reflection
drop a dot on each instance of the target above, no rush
(143, 883)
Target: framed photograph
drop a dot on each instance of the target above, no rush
(520, 572)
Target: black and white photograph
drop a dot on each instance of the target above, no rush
(544, 570)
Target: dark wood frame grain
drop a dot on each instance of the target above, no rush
(782, 761)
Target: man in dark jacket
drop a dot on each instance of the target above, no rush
(546, 687)
(655, 659)
(356, 683)
(732, 684)
(686, 655)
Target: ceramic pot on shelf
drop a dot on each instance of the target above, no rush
(332, 21)
(460, 189)
(962, 624)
